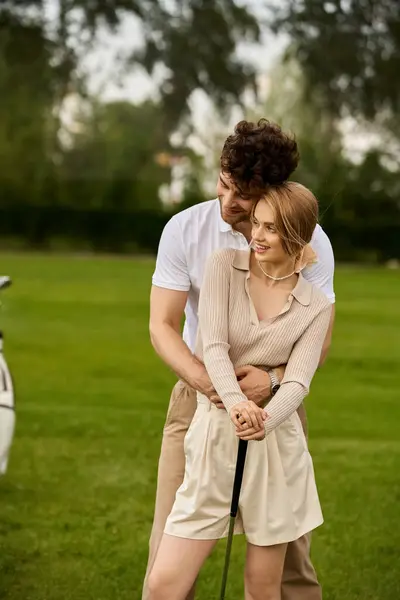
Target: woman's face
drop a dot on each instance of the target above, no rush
(267, 244)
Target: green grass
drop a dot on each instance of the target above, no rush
(76, 504)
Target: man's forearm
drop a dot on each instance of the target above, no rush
(171, 348)
(328, 338)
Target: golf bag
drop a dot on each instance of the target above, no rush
(7, 409)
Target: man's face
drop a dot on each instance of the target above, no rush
(235, 206)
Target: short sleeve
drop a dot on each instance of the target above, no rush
(171, 270)
(321, 274)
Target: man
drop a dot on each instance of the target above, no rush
(255, 156)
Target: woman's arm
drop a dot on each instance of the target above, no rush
(301, 366)
(213, 325)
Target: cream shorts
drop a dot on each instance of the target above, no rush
(278, 501)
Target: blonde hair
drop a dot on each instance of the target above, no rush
(295, 211)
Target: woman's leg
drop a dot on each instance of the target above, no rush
(263, 572)
(176, 567)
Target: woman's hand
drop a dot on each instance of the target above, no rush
(251, 434)
(246, 415)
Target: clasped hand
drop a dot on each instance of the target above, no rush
(254, 383)
(248, 419)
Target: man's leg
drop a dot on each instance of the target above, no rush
(299, 580)
(171, 466)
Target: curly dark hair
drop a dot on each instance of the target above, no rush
(258, 155)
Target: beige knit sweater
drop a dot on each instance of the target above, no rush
(230, 334)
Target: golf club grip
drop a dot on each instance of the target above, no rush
(237, 484)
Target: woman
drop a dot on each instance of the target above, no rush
(255, 308)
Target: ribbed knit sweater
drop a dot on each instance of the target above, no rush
(231, 335)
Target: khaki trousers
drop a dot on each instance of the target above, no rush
(299, 581)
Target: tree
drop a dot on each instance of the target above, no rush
(359, 203)
(40, 67)
(322, 165)
(113, 161)
(195, 40)
(27, 84)
(349, 50)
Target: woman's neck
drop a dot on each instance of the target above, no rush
(274, 274)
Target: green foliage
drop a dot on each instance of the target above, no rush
(108, 169)
(359, 203)
(113, 157)
(101, 230)
(111, 161)
(348, 50)
(192, 193)
(27, 84)
(322, 164)
(195, 40)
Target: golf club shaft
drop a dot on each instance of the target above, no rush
(227, 557)
(237, 484)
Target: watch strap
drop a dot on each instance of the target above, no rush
(275, 383)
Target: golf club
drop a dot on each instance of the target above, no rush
(237, 484)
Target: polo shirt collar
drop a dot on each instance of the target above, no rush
(223, 225)
(302, 291)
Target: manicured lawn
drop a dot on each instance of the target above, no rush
(76, 504)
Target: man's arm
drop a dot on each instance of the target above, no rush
(328, 339)
(321, 274)
(166, 312)
(169, 293)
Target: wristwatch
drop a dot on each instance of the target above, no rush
(275, 384)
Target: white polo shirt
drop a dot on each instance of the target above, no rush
(192, 235)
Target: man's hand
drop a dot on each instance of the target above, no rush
(254, 383)
(205, 387)
(217, 401)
